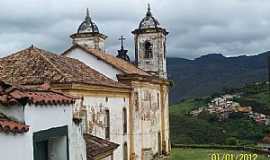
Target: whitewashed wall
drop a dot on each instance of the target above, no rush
(15, 147)
(45, 117)
(20, 146)
(94, 63)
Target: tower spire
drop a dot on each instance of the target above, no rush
(148, 10)
(87, 14)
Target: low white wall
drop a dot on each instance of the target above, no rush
(16, 147)
(20, 146)
(45, 117)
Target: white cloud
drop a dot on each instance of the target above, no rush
(196, 27)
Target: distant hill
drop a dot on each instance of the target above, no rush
(212, 73)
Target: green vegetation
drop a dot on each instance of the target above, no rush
(257, 96)
(185, 106)
(204, 154)
(205, 129)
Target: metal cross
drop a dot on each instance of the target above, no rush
(122, 41)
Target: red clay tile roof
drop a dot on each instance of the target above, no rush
(7, 125)
(10, 95)
(96, 146)
(120, 64)
(37, 66)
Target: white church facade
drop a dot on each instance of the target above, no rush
(117, 100)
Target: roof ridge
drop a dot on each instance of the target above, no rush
(51, 63)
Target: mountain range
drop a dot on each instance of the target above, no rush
(212, 73)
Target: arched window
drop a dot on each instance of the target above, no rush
(107, 129)
(125, 151)
(124, 120)
(165, 50)
(148, 48)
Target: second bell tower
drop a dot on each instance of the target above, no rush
(150, 46)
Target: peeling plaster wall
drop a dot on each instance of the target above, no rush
(166, 127)
(90, 42)
(96, 107)
(147, 121)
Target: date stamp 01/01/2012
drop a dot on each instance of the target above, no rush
(230, 156)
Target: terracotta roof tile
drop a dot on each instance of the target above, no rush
(37, 66)
(96, 146)
(124, 66)
(7, 125)
(10, 95)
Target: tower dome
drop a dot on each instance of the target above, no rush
(88, 34)
(88, 26)
(149, 21)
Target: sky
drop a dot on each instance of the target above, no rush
(197, 27)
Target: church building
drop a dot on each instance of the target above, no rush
(118, 100)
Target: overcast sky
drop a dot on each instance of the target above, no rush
(197, 27)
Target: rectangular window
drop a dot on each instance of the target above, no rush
(107, 129)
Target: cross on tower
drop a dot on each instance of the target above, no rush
(122, 41)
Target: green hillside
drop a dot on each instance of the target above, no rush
(205, 129)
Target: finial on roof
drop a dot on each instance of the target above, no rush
(87, 25)
(87, 12)
(148, 10)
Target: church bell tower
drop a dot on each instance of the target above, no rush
(150, 46)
